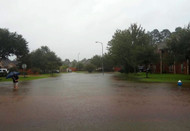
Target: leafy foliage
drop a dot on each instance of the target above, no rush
(179, 44)
(158, 37)
(96, 61)
(45, 59)
(108, 62)
(131, 47)
(12, 44)
(90, 67)
(66, 63)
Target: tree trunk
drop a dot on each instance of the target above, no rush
(174, 68)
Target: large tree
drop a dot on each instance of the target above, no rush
(74, 63)
(131, 47)
(165, 34)
(179, 46)
(120, 49)
(158, 37)
(66, 62)
(45, 59)
(108, 62)
(155, 36)
(12, 43)
(97, 61)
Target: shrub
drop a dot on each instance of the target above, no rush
(90, 67)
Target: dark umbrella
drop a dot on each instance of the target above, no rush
(11, 74)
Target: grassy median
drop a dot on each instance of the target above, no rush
(29, 77)
(141, 77)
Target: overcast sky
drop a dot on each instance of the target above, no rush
(69, 27)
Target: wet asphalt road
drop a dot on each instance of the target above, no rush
(93, 102)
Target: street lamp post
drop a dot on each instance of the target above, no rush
(102, 57)
(78, 60)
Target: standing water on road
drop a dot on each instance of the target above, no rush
(80, 102)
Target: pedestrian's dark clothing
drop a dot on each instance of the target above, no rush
(15, 78)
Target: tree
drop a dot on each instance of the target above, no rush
(120, 49)
(155, 36)
(85, 61)
(74, 63)
(25, 60)
(108, 62)
(66, 62)
(97, 61)
(80, 66)
(90, 67)
(158, 37)
(185, 42)
(173, 46)
(147, 56)
(179, 46)
(45, 59)
(12, 44)
(165, 34)
(131, 47)
(53, 62)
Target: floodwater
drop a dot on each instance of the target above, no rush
(93, 102)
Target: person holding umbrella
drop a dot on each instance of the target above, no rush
(14, 76)
(15, 81)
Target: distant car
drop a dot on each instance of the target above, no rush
(56, 71)
(3, 71)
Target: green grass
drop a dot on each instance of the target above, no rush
(81, 71)
(29, 77)
(86, 72)
(141, 77)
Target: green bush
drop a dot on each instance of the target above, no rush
(90, 68)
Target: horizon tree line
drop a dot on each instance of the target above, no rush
(127, 49)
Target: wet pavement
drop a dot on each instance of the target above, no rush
(93, 102)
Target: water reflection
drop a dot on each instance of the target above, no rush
(10, 95)
(78, 101)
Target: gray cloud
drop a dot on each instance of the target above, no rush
(72, 26)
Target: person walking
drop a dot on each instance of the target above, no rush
(15, 81)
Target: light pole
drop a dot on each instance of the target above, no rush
(78, 60)
(102, 57)
(78, 56)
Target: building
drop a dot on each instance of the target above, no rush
(164, 67)
(6, 63)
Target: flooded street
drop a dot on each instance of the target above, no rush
(93, 102)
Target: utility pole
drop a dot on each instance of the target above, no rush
(102, 57)
(78, 61)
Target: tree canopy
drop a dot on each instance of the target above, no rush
(131, 47)
(158, 37)
(96, 61)
(12, 43)
(178, 44)
(45, 59)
